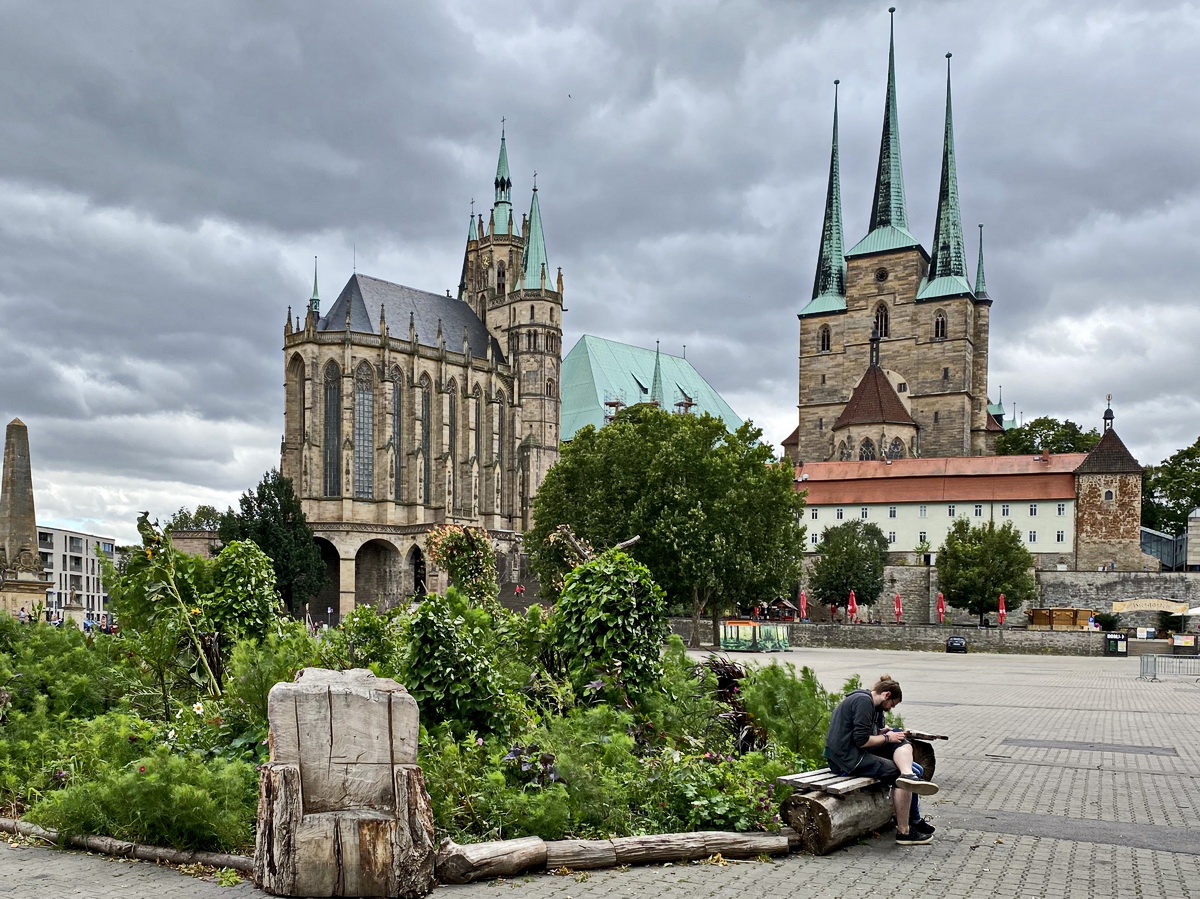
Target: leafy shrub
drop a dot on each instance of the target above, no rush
(256, 666)
(160, 798)
(243, 601)
(468, 557)
(713, 792)
(449, 675)
(609, 622)
(793, 707)
(365, 639)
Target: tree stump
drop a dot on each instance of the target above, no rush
(498, 858)
(343, 809)
(825, 822)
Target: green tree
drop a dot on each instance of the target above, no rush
(271, 516)
(976, 564)
(1047, 434)
(1173, 490)
(205, 518)
(851, 556)
(718, 517)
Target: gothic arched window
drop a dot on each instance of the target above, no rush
(550, 387)
(883, 321)
(843, 451)
(364, 432)
(866, 450)
(896, 449)
(825, 339)
(939, 325)
(477, 422)
(398, 434)
(500, 278)
(424, 412)
(332, 434)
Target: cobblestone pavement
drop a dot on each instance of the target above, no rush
(1063, 777)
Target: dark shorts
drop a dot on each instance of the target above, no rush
(877, 763)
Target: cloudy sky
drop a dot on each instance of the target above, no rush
(169, 170)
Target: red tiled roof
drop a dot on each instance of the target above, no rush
(959, 479)
(874, 401)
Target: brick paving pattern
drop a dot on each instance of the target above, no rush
(1015, 819)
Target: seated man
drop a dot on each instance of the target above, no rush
(859, 744)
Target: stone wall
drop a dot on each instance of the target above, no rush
(1100, 589)
(929, 638)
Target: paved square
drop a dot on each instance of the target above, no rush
(1063, 777)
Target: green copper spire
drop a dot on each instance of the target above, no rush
(534, 265)
(889, 211)
(829, 286)
(981, 293)
(947, 275)
(656, 385)
(502, 210)
(315, 303)
(472, 232)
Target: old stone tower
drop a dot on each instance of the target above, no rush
(894, 342)
(406, 409)
(1108, 506)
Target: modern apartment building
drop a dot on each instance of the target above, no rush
(72, 565)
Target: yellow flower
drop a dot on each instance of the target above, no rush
(149, 554)
(195, 611)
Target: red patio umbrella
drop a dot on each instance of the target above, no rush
(899, 608)
(941, 608)
(852, 607)
(803, 604)
(1003, 611)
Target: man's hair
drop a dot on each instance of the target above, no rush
(885, 684)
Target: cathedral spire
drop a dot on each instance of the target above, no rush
(534, 265)
(315, 302)
(889, 210)
(656, 385)
(947, 275)
(981, 293)
(502, 209)
(829, 286)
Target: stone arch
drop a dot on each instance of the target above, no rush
(325, 607)
(415, 573)
(378, 575)
(294, 402)
(843, 451)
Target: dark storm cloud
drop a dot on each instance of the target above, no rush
(167, 173)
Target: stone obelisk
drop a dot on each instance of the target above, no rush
(22, 576)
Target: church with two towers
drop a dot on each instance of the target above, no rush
(893, 354)
(406, 410)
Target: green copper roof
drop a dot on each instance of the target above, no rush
(980, 283)
(947, 275)
(472, 232)
(889, 211)
(534, 262)
(830, 282)
(502, 210)
(597, 371)
(823, 306)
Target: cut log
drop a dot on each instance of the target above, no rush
(924, 756)
(745, 845)
(581, 855)
(498, 858)
(825, 822)
(660, 847)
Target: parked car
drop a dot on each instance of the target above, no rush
(956, 644)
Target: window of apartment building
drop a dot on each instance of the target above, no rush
(891, 511)
(1004, 510)
(950, 510)
(840, 514)
(922, 537)
(862, 513)
(107, 548)
(1033, 510)
(814, 539)
(77, 563)
(1062, 508)
(922, 511)
(1060, 537)
(47, 560)
(814, 514)
(1033, 536)
(45, 540)
(891, 536)
(979, 510)
(75, 544)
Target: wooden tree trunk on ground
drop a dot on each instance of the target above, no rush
(825, 822)
(498, 858)
(663, 847)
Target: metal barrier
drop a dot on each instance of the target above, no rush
(1153, 665)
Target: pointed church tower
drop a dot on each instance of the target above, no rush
(492, 260)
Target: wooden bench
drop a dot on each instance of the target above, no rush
(828, 810)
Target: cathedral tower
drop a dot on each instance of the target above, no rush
(932, 328)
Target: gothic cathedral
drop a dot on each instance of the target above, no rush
(894, 342)
(406, 410)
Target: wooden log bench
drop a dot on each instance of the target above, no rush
(829, 810)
